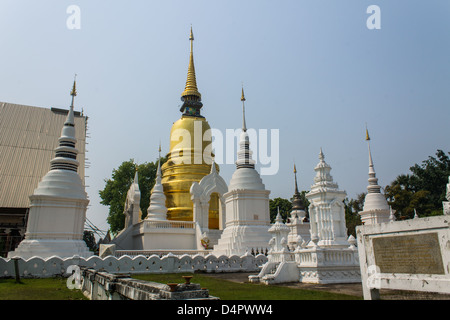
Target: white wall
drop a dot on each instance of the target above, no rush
(41, 268)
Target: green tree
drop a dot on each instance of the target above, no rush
(424, 189)
(115, 192)
(285, 208)
(352, 209)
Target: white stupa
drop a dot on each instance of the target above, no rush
(247, 205)
(376, 208)
(58, 205)
(298, 223)
(157, 210)
(326, 209)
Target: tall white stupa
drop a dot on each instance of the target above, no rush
(247, 205)
(326, 209)
(58, 205)
(376, 209)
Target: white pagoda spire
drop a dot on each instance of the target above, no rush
(245, 176)
(244, 159)
(157, 209)
(376, 208)
(66, 153)
(373, 186)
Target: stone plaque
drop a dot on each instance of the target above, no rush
(415, 254)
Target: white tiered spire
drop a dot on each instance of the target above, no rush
(157, 209)
(245, 176)
(66, 153)
(376, 208)
(244, 154)
(373, 186)
(323, 179)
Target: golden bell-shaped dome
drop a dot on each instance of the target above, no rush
(190, 156)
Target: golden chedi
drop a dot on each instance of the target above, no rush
(190, 155)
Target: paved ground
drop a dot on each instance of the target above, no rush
(354, 289)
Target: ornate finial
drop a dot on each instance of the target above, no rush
(73, 93)
(295, 176)
(244, 125)
(191, 36)
(297, 203)
(242, 96)
(367, 134)
(321, 156)
(191, 82)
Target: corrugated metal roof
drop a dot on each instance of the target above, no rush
(28, 137)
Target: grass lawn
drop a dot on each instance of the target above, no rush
(228, 290)
(56, 289)
(38, 289)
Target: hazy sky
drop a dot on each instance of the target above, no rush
(311, 69)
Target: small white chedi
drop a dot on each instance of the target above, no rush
(58, 205)
(298, 222)
(376, 209)
(247, 205)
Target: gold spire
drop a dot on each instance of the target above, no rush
(367, 134)
(295, 177)
(191, 82)
(73, 93)
(242, 96)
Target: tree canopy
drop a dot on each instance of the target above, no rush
(352, 209)
(115, 192)
(424, 189)
(285, 207)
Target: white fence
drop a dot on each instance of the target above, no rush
(54, 266)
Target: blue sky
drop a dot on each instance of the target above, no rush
(311, 69)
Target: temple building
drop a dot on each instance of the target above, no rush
(58, 205)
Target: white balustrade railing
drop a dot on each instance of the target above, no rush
(57, 266)
(168, 224)
(160, 253)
